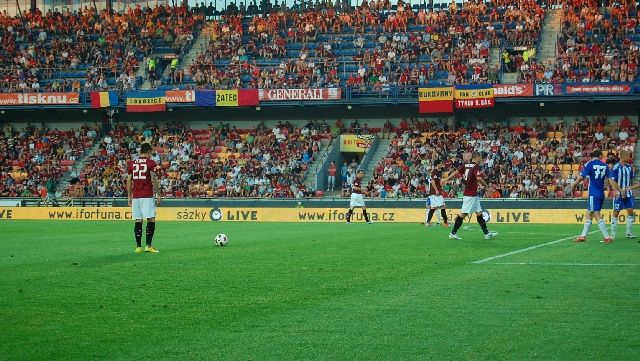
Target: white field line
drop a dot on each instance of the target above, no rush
(484, 260)
(567, 264)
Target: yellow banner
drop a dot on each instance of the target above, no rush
(474, 93)
(351, 143)
(433, 94)
(226, 98)
(322, 215)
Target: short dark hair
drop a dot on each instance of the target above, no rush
(437, 162)
(597, 153)
(145, 148)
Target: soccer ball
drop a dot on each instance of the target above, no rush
(221, 240)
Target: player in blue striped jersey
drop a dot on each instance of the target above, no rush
(623, 175)
(599, 174)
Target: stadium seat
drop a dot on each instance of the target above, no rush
(577, 194)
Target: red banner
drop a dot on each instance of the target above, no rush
(180, 96)
(435, 100)
(512, 90)
(39, 98)
(598, 89)
(300, 94)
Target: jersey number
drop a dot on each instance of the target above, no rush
(139, 171)
(466, 174)
(599, 171)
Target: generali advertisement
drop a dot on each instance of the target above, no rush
(300, 94)
(39, 98)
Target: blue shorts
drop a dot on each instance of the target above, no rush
(595, 204)
(620, 203)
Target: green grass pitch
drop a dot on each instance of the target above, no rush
(76, 291)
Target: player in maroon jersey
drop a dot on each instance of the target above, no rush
(436, 200)
(142, 183)
(471, 176)
(356, 197)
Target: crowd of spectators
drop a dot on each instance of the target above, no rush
(365, 45)
(597, 44)
(536, 160)
(32, 156)
(85, 49)
(220, 161)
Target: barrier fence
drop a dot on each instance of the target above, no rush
(322, 215)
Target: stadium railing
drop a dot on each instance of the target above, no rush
(390, 94)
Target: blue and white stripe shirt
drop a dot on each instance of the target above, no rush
(623, 175)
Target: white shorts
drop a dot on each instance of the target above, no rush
(356, 200)
(436, 201)
(143, 208)
(470, 205)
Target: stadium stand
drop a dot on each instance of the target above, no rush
(524, 160)
(366, 45)
(88, 50)
(219, 161)
(32, 156)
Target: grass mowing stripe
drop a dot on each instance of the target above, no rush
(566, 264)
(484, 260)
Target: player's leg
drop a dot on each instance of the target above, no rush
(443, 213)
(438, 215)
(631, 217)
(585, 228)
(587, 220)
(349, 214)
(467, 206)
(602, 226)
(617, 206)
(597, 207)
(365, 214)
(430, 211)
(483, 224)
(458, 223)
(352, 205)
(136, 213)
(149, 212)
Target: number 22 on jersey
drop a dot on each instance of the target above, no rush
(139, 170)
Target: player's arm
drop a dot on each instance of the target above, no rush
(578, 181)
(451, 175)
(616, 187)
(129, 189)
(156, 186)
(482, 182)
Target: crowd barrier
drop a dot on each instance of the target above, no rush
(248, 214)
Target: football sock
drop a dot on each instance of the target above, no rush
(366, 215)
(630, 220)
(444, 215)
(482, 224)
(585, 229)
(614, 225)
(426, 216)
(430, 216)
(603, 227)
(137, 231)
(438, 216)
(349, 213)
(457, 225)
(151, 228)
